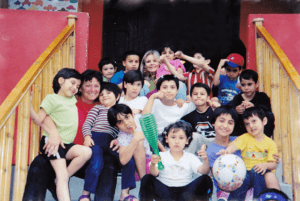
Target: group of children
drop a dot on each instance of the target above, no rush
(187, 118)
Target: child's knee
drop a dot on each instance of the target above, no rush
(87, 152)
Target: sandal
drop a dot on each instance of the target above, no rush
(129, 198)
(84, 196)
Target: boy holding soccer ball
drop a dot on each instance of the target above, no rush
(257, 152)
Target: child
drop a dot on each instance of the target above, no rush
(249, 97)
(107, 68)
(61, 107)
(98, 135)
(133, 82)
(202, 73)
(130, 139)
(175, 181)
(163, 106)
(257, 153)
(228, 83)
(131, 62)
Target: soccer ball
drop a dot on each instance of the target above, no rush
(229, 169)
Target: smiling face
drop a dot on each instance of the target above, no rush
(151, 63)
(170, 54)
(90, 90)
(107, 98)
(108, 71)
(133, 90)
(255, 126)
(68, 87)
(131, 62)
(224, 125)
(199, 96)
(248, 87)
(126, 123)
(177, 140)
(168, 87)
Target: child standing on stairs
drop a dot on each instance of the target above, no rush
(61, 107)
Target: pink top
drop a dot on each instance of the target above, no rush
(176, 63)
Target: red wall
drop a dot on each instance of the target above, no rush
(26, 34)
(284, 28)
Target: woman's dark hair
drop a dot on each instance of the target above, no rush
(65, 73)
(88, 75)
(111, 87)
(167, 78)
(186, 127)
(224, 109)
(114, 111)
(105, 61)
(132, 76)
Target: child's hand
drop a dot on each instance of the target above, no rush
(222, 152)
(163, 59)
(88, 141)
(180, 102)
(138, 135)
(276, 157)
(260, 168)
(159, 95)
(188, 99)
(247, 104)
(52, 145)
(147, 83)
(154, 159)
(240, 108)
(178, 54)
(115, 143)
(214, 103)
(222, 63)
(202, 152)
(136, 111)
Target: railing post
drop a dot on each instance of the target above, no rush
(71, 56)
(259, 52)
(71, 19)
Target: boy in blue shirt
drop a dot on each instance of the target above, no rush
(228, 83)
(131, 61)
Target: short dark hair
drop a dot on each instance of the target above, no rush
(273, 191)
(88, 75)
(128, 53)
(131, 77)
(111, 87)
(114, 111)
(254, 111)
(249, 74)
(224, 109)
(105, 61)
(167, 78)
(200, 85)
(186, 127)
(65, 73)
(173, 47)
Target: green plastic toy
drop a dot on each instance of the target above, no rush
(149, 128)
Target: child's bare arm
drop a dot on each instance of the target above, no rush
(171, 68)
(148, 107)
(153, 169)
(37, 118)
(126, 152)
(203, 64)
(203, 169)
(262, 167)
(229, 150)
(216, 80)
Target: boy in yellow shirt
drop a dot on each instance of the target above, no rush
(257, 150)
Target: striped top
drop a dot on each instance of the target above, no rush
(202, 77)
(97, 121)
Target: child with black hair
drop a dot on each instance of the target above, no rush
(61, 107)
(249, 97)
(257, 152)
(107, 68)
(163, 106)
(228, 84)
(272, 194)
(132, 141)
(98, 134)
(130, 61)
(175, 181)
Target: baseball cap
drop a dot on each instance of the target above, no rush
(235, 60)
(271, 196)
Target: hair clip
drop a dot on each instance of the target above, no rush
(175, 76)
(164, 133)
(162, 76)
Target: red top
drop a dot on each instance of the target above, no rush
(83, 110)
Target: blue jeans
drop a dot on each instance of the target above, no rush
(253, 179)
(92, 172)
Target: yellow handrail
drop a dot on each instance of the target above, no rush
(38, 81)
(280, 80)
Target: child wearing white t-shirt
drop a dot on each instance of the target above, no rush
(175, 181)
(163, 106)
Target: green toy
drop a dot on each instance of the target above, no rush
(149, 128)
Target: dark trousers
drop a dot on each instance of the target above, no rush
(95, 167)
(41, 177)
(199, 189)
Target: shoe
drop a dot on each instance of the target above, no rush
(84, 196)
